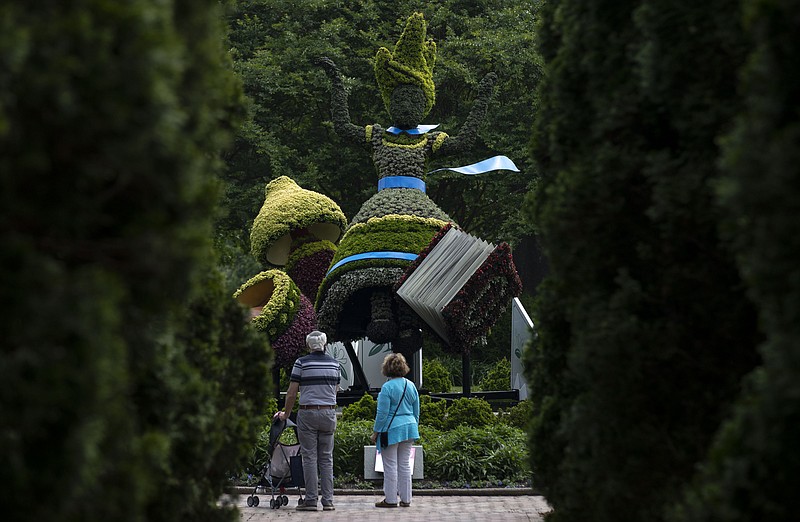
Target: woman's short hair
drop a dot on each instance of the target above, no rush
(395, 365)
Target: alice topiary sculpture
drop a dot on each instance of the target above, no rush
(356, 296)
(294, 236)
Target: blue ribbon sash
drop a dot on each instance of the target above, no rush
(409, 182)
(405, 256)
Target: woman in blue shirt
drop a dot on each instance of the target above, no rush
(398, 414)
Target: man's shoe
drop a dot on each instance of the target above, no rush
(384, 504)
(306, 507)
(405, 504)
(328, 507)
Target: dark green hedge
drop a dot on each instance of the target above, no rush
(644, 327)
(752, 467)
(130, 384)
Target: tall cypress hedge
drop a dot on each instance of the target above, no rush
(644, 328)
(752, 469)
(128, 375)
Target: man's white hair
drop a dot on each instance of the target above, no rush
(317, 341)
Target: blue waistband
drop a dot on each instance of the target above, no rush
(401, 182)
(405, 256)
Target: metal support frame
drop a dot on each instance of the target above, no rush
(466, 375)
(361, 382)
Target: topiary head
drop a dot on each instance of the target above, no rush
(405, 77)
(407, 106)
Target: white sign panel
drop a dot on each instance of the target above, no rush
(521, 329)
(338, 352)
(371, 356)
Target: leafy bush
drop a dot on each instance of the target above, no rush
(469, 453)
(498, 377)
(364, 408)
(348, 446)
(427, 432)
(470, 411)
(518, 415)
(435, 376)
(432, 413)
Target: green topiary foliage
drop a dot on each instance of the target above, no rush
(364, 408)
(280, 311)
(288, 207)
(407, 89)
(277, 296)
(498, 378)
(435, 376)
(412, 63)
(398, 233)
(470, 411)
(399, 201)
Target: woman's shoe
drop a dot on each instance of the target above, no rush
(385, 504)
(405, 504)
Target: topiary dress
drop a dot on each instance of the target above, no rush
(356, 297)
(383, 238)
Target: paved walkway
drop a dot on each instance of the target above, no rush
(358, 508)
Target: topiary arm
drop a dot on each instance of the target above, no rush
(340, 112)
(469, 131)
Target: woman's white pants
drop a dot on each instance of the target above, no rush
(397, 471)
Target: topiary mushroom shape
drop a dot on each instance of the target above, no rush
(297, 229)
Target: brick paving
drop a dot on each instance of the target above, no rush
(438, 508)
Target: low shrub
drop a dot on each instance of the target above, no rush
(498, 377)
(364, 408)
(427, 433)
(435, 376)
(431, 412)
(518, 415)
(471, 411)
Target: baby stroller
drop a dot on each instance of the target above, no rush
(283, 469)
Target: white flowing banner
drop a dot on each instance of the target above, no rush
(487, 165)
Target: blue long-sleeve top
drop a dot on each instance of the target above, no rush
(405, 425)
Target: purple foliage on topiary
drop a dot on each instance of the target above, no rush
(308, 271)
(292, 343)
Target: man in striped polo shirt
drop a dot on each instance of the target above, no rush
(316, 376)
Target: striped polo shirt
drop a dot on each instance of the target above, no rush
(318, 375)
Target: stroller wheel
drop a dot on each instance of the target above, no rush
(285, 500)
(272, 503)
(255, 501)
(250, 501)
